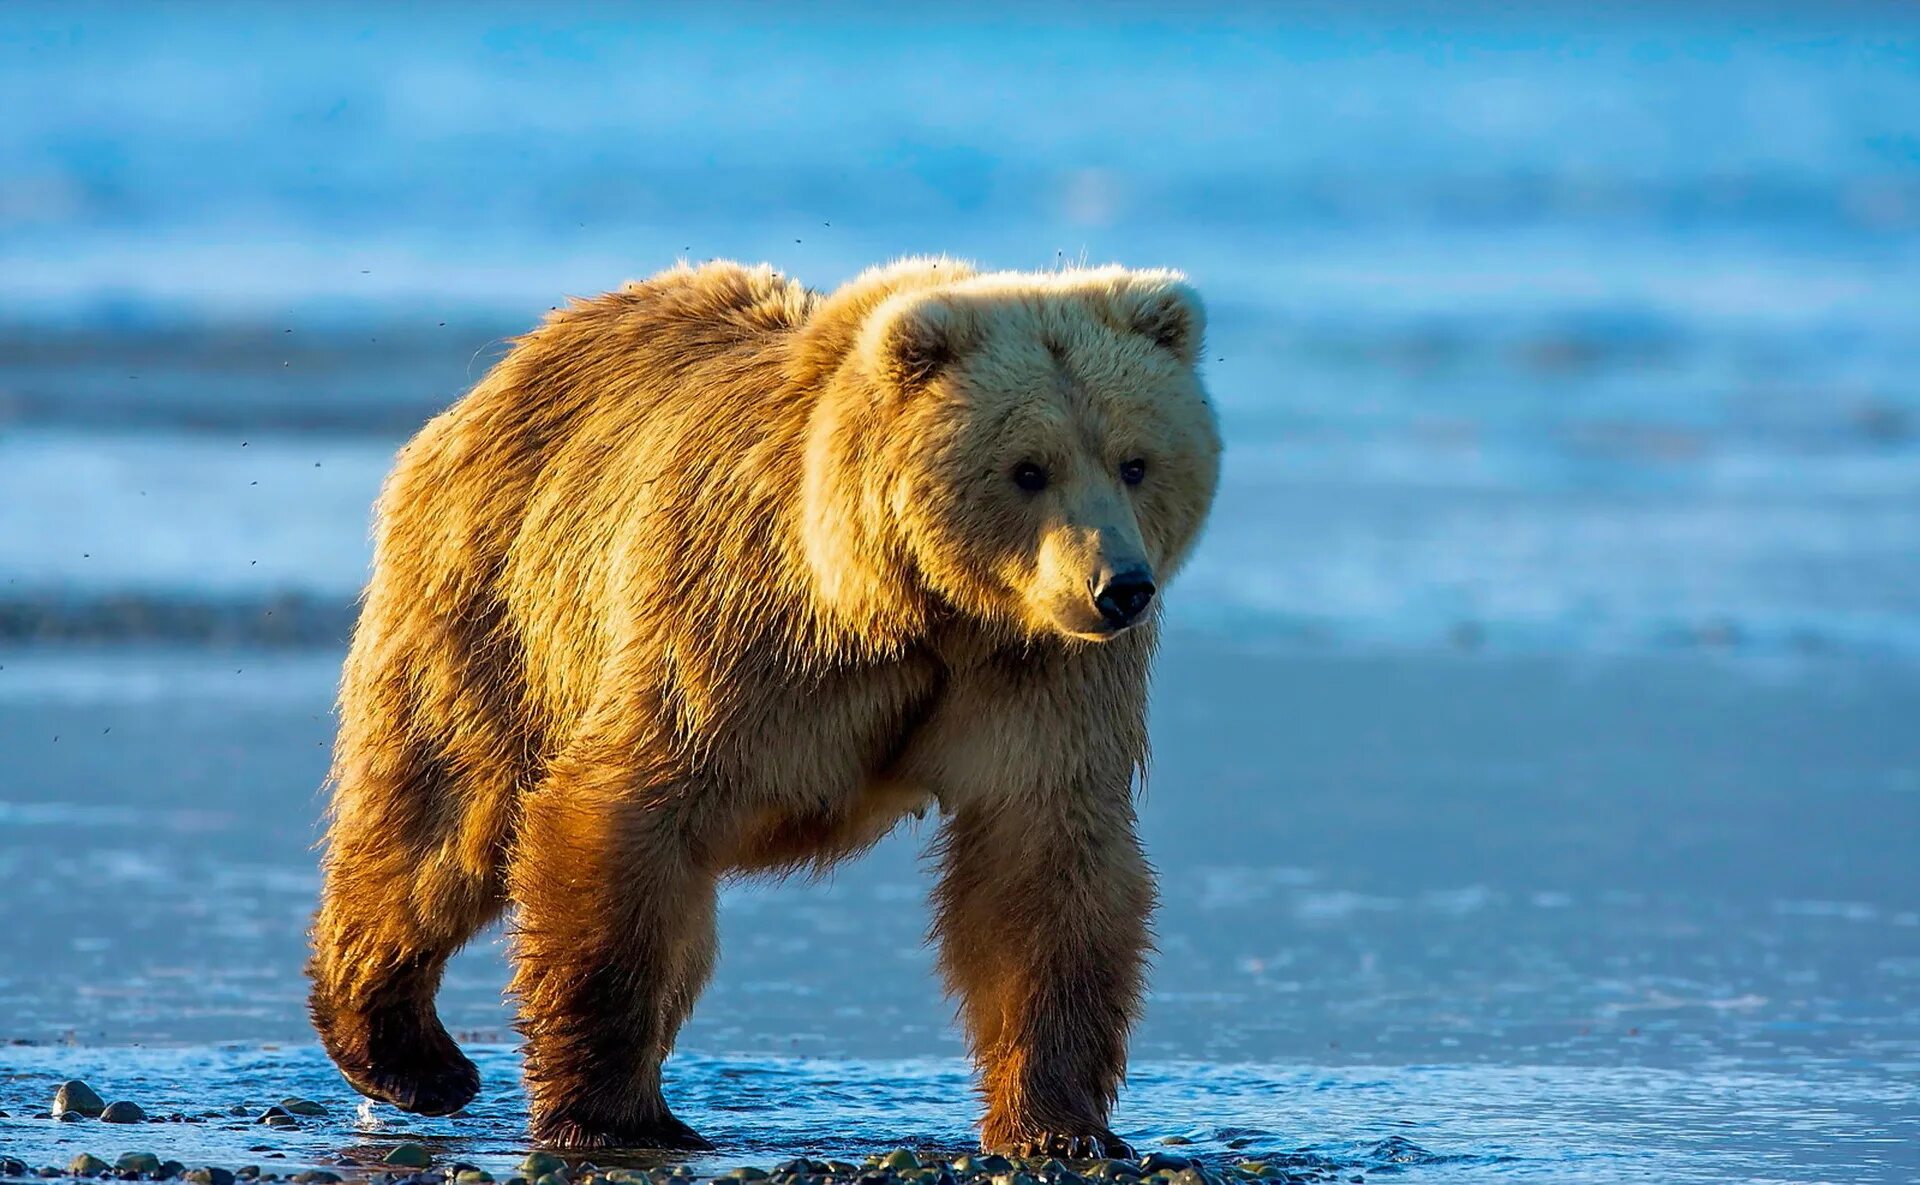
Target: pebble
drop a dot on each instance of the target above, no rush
(75, 1095)
(409, 1156)
(87, 1165)
(123, 1112)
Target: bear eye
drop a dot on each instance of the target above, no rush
(1133, 472)
(1030, 477)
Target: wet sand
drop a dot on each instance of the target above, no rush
(1606, 917)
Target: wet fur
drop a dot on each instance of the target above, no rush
(686, 588)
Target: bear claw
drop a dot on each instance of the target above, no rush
(441, 1090)
(1073, 1147)
(663, 1134)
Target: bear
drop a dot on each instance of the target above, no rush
(717, 575)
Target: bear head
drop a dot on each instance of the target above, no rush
(1033, 450)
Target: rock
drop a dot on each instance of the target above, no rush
(9, 1167)
(1155, 1161)
(747, 1172)
(993, 1164)
(477, 1177)
(170, 1169)
(1172, 1141)
(211, 1175)
(69, 1117)
(138, 1162)
(283, 1122)
(316, 1177)
(75, 1095)
(247, 1172)
(553, 1178)
(409, 1156)
(900, 1158)
(539, 1164)
(87, 1165)
(123, 1112)
(300, 1106)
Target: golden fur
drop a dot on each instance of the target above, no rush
(716, 575)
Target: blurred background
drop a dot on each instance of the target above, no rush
(1537, 769)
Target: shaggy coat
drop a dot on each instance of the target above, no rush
(716, 575)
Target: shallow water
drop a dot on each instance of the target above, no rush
(1418, 1123)
(1607, 919)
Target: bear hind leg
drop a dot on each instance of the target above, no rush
(405, 887)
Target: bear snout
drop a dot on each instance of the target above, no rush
(1123, 596)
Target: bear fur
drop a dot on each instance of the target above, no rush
(716, 575)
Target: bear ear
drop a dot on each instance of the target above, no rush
(1167, 312)
(912, 338)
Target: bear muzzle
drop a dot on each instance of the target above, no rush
(1122, 597)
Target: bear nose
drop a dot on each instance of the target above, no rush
(1124, 597)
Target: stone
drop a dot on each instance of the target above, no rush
(123, 1112)
(539, 1164)
(408, 1156)
(138, 1162)
(900, 1158)
(316, 1177)
(300, 1106)
(171, 1169)
(210, 1175)
(87, 1165)
(75, 1095)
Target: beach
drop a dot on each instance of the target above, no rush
(1536, 789)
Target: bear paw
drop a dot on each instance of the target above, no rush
(663, 1134)
(1070, 1146)
(397, 1056)
(440, 1087)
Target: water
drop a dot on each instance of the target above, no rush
(1535, 774)
(1583, 330)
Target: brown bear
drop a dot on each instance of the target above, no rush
(716, 575)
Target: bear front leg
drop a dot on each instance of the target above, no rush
(1042, 917)
(615, 938)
